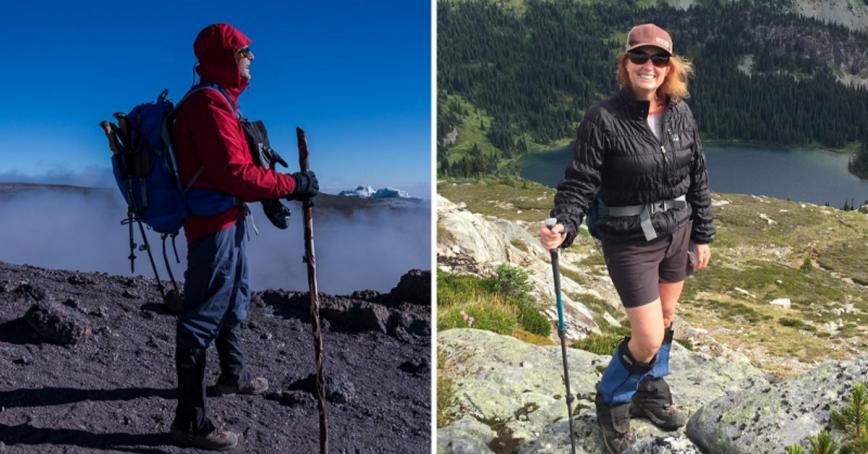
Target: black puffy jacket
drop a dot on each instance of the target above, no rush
(617, 154)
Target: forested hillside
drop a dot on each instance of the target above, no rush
(513, 76)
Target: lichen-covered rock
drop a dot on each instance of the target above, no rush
(465, 436)
(770, 417)
(476, 244)
(665, 445)
(517, 388)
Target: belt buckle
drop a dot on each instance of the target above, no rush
(658, 207)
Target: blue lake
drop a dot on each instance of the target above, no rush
(805, 175)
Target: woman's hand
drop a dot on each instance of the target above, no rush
(703, 255)
(551, 238)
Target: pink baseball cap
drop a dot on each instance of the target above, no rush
(649, 35)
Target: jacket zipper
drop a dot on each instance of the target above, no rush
(662, 139)
(663, 132)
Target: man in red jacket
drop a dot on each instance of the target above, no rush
(213, 153)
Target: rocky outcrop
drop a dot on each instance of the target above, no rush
(770, 417)
(55, 323)
(477, 244)
(852, 14)
(516, 390)
(509, 394)
(414, 287)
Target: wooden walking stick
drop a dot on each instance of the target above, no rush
(310, 260)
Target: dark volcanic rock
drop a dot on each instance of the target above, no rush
(116, 392)
(414, 287)
(356, 315)
(367, 295)
(79, 279)
(420, 327)
(293, 398)
(337, 387)
(57, 324)
(33, 291)
(416, 366)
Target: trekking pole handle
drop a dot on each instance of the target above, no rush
(556, 273)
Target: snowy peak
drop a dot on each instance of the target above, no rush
(382, 193)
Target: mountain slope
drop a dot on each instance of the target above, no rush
(115, 391)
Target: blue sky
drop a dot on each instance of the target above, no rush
(354, 74)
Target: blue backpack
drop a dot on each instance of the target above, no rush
(146, 172)
(146, 169)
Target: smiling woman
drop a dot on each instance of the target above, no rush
(639, 175)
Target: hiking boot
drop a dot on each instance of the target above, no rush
(654, 401)
(215, 440)
(256, 385)
(614, 423)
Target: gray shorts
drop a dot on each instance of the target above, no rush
(637, 267)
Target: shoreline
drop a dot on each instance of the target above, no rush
(850, 150)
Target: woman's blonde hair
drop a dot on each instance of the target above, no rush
(673, 88)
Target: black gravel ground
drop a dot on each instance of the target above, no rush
(115, 392)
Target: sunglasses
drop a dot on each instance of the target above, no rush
(246, 53)
(639, 58)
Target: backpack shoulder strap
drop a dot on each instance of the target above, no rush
(210, 86)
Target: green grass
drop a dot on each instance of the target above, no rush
(766, 281)
(794, 226)
(500, 303)
(596, 305)
(796, 323)
(453, 289)
(605, 343)
(595, 261)
(532, 338)
(472, 131)
(520, 245)
(575, 276)
(503, 197)
(447, 394)
(485, 313)
(848, 258)
(531, 320)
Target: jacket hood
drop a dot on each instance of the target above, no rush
(215, 48)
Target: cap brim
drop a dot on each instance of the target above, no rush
(647, 45)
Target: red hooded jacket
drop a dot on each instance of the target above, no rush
(207, 135)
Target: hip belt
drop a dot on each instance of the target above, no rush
(645, 212)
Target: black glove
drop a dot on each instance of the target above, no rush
(306, 185)
(276, 213)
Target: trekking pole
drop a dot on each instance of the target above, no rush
(310, 260)
(147, 247)
(562, 330)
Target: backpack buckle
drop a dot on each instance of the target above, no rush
(657, 207)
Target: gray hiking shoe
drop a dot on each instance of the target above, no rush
(653, 400)
(614, 423)
(256, 385)
(215, 440)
